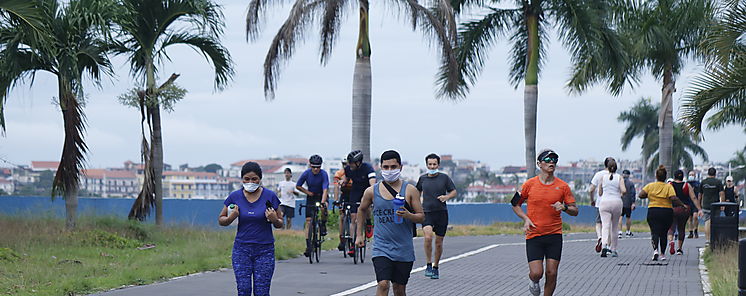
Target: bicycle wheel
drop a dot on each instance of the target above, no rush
(354, 247)
(345, 236)
(317, 247)
(312, 237)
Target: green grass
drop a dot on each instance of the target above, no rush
(39, 257)
(517, 228)
(722, 266)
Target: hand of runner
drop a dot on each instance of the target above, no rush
(527, 225)
(359, 242)
(558, 206)
(593, 202)
(700, 214)
(271, 214)
(235, 213)
(403, 212)
(442, 198)
(633, 207)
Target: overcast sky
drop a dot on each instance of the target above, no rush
(311, 112)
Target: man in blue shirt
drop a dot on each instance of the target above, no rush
(317, 182)
(363, 176)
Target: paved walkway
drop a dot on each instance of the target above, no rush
(481, 265)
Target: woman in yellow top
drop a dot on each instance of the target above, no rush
(660, 211)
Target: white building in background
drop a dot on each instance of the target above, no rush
(195, 185)
(7, 186)
(39, 166)
(110, 183)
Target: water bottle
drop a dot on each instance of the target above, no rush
(231, 208)
(398, 203)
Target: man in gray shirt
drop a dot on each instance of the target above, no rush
(435, 188)
(628, 203)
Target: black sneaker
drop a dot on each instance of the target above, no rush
(604, 252)
(691, 234)
(322, 229)
(341, 246)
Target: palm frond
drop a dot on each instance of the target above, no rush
(519, 50)
(254, 16)
(210, 48)
(333, 14)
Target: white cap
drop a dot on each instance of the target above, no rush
(729, 178)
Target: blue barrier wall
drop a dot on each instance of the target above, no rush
(205, 212)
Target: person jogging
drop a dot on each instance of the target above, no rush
(435, 188)
(546, 196)
(593, 195)
(694, 221)
(611, 188)
(681, 215)
(393, 249)
(287, 197)
(660, 211)
(628, 200)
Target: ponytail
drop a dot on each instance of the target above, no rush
(611, 166)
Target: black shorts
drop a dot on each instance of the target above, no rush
(394, 271)
(311, 206)
(626, 212)
(546, 246)
(287, 211)
(693, 209)
(438, 220)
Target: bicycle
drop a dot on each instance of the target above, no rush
(349, 237)
(314, 231)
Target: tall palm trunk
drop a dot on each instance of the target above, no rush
(665, 121)
(67, 178)
(361, 88)
(157, 148)
(531, 94)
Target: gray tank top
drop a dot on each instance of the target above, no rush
(391, 240)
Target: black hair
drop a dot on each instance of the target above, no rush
(678, 175)
(287, 170)
(391, 154)
(626, 172)
(661, 173)
(610, 164)
(251, 167)
(432, 156)
(711, 172)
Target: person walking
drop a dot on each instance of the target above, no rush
(681, 215)
(435, 188)
(610, 192)
(546, 196)
(730, 195)
(660, 213)
(711, 190)
(393, 249)
(593, 196)
(694, 221)
(287, 198)
(628, 203)
(256, 209)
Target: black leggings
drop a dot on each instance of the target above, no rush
(660, 220)
(678, 227)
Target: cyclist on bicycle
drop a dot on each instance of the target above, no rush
(342, 194)
(363, 176)
(317, 182)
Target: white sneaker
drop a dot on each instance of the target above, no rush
(655, 255)
(662, 258)
(534, 288)
(620, 234)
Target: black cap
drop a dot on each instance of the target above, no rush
(547, 152)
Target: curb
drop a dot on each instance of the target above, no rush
(703, 274)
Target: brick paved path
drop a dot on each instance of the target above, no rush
(501, 269)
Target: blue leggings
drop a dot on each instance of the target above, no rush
(257, 260)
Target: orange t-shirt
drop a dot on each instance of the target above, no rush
(339, 175)
(539, 199)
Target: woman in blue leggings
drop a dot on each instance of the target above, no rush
(254, 247)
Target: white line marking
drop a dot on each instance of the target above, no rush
(449, 259)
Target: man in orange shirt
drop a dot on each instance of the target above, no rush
(546, 196)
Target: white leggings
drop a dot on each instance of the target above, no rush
(610, 210)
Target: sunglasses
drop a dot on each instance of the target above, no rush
(550, 159)
(315, 167)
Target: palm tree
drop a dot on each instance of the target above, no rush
(437, 21)
(582, 26)
(148, 29)
(662, 35)
(21, 12)
(75, 47)
(722, 88)
(641, 122)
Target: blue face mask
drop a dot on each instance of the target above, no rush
(432, 172)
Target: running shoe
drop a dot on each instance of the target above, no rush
(436, 274)
(670, 248)
(679, 252)
(341, 246)
(691, 234)
(696, 234)
(534, 288)
(655, 255)
(630, 234)
(351, 252)
(662, 258)
(620, 234)
(429, 270)
(604, 252)
(614, 254)
(598, 246)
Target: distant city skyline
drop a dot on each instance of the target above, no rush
(311, 112)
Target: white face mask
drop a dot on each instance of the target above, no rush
(432, 172)
(391, 175)
(250, 187)
(692, 178)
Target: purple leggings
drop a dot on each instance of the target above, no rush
(253, 261)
